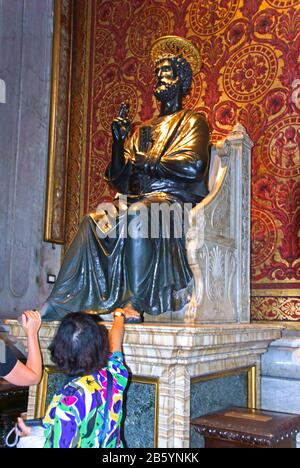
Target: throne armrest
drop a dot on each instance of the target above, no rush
(220, 161)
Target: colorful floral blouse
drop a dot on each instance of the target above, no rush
(74, 418)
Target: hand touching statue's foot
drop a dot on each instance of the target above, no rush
(132, 315)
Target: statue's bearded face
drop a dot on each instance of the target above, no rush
(168, 84)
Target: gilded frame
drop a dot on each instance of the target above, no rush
(41, 396)
(41, 393)
(59, 124)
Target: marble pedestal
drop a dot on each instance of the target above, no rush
(280, 383)
(179, 372)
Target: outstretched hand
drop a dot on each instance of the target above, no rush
(31, 322)
(121, 125)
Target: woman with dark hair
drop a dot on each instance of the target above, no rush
(85, 413)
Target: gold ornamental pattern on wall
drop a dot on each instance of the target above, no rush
(283, 3)
(250, 73)
(281, 146)
(209, 17)
(145, 28)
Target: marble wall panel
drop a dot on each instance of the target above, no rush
(216, 394)
(25, 67)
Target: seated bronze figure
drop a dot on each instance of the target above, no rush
(165, 161)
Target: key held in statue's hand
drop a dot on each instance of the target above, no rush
(124, 109)
(121, 125)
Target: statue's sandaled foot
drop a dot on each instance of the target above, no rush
(134, 319)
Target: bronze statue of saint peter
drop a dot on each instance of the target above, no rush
(165, 161)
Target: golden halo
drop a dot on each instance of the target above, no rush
(172, 46)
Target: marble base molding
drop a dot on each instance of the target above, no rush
(173, 358)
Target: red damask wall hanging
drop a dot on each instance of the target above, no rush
(250, 74)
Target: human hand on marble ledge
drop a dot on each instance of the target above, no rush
(31, 322)
(131, 315)
(128, 314)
